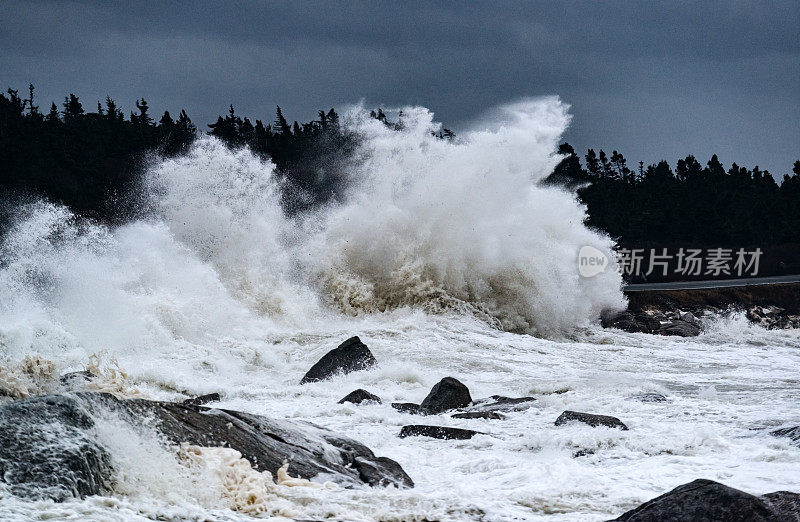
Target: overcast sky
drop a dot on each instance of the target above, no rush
(655, 80)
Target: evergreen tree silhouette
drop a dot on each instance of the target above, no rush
(73, 110)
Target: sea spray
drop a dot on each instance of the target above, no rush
(424, 222)
(446, 224)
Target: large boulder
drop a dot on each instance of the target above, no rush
(706, 500)
(447, 394)
(49, 447)
(350, 356)
(591, 419)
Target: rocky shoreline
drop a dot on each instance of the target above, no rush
(49, 447)
(683, 312)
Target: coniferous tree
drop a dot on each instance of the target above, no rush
(73, 110)
(281, 125)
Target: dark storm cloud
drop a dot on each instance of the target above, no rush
(654, 80)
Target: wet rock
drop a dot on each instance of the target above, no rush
(76, 381)
(648, 397)
(410, 407)
(680, 328)
(620, 320)
(792, 432)
(501, 403)
(490, 415)
(590, 419)
(678, 323)
(203, 399)
(436, 432)
(350, 356)
(706, 500)
(772, 317)
(358, 396)
(382, 472)
(583, 453)
(447, 394)
(651, 321)
(49, 449)
(784, 505)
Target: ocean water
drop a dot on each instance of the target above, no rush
(447, 259)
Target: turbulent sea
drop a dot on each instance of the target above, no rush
(446, 259)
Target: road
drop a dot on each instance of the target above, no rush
(720, 283)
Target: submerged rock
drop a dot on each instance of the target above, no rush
(491, 415)
(350, 356)
(76, 381)
(590, 419)
(436, 432)
(501, 403)
(203, 399)
(648, 397)
(706, 500)
(50, 449)
(410, 407)
(793, 432)
(358, 396)
(447, 394)
(480, 409)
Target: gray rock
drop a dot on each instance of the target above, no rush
(436, 432)
(620, 320)
(792, 432)
(49, 449)
(590, 419)
(350, 356)
(706, 500)
(410, 407)
(447, 394)
(358, 396)
(490, 415)
(479, 409)
(679, 328)
(652, 321)
(203, 399)
(501, 403)
(648, 397)
(76, 381)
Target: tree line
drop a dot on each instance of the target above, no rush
(91, 162)
(690, 204)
